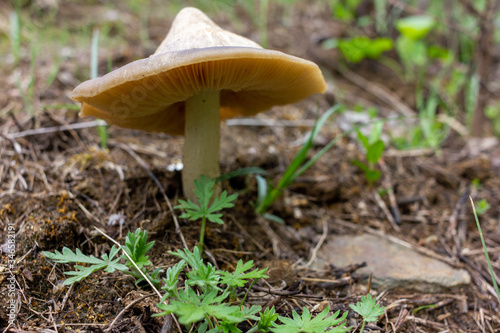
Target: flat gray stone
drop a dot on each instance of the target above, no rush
(392, 265)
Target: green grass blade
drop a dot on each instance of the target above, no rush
(94, 66)
(291, 172)
(492, 273)
(94, 54)
(15, 35)
(261, 189)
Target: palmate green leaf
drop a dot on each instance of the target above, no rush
(239, 278)
(305, 324)
(191, 308)
(81, 273)
(67, 256)
(368, 308)
(221, 202)
(206, 277)
(203, 275)
(204, 192)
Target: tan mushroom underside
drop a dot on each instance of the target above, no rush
(250, 81)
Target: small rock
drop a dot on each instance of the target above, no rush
(392, 265)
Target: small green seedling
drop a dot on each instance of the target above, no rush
(305, 324)
(482, 206)
(368, 309)
(135, 245)
(358, 48)
(374, 147)
(267, 319)
(204, 191)
(410, 46)
(345, 10)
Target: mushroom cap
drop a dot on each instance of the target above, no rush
(150, 93)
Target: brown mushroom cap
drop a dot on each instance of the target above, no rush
(196, 55)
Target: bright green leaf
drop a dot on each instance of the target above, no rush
(415, 27)
(368, 308)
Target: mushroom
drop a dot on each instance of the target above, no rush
(199, 75)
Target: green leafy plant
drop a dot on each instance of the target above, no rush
(139, 265)
(202, 209)
(492, 111)
(374, 147)
(412, 50)
(344, 10)
(135, 245)
(482, 206)
(368, 309)
(306, 324)
(209, 306)
(207, 297)
(267, 319)
(358, 48)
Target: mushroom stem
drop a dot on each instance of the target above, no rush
(202, 139)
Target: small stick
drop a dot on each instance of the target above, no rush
(452, 226)
(277, 292)
(270, 122)
(65, 299)
(390, 191)
(113, 323)
(386, 211)
(51, 317)
(401, 318)
(275, 301)
(54, 129)
(319, 244)
(378, 91)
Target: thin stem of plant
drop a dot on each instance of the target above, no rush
(202, 233)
